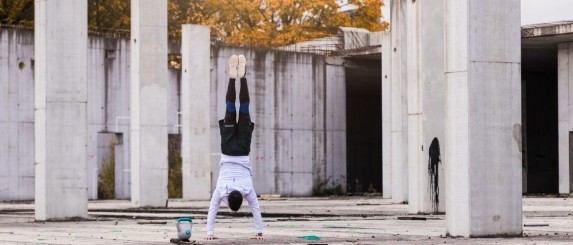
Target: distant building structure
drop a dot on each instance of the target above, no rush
(346, 6)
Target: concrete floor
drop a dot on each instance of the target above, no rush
(342, 220)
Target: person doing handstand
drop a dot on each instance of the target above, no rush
(235, 178)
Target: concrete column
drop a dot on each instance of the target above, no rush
(416, 178)
(399, 123)
(195, 112)
(483, 118)
(149, 103)
(336, 125)
(386, 115)
(60, 95)
(565, 107)
(426, 97)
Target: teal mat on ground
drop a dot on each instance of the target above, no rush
(310, 238)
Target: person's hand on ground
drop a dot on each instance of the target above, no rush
(211, 237)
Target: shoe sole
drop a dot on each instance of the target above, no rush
(241, 69)
(233, 61)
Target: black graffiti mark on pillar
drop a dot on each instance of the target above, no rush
(433, 162)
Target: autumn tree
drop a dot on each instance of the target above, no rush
(16, 10)
(109, 14)
(272, 23)
(367, 15)
(260, 23)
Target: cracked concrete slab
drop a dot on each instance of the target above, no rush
(336, 220)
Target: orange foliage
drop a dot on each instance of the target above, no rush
(272, 23)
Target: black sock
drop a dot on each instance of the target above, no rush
(244, 93)
(231, 93)
(231, 111)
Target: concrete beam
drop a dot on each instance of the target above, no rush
(61, 111)
(398, 103)
(547, 29)
(483, 122)
(149, 103)
(426, 98)
(195, 112)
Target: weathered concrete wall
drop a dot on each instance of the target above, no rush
(290, 143)
(354, 38)
(108, 107)
(109, 76)
(298, 107)
(16, 114)
(108, 110)
(565, 114)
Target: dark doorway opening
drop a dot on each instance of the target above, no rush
(540, 125)
(175, 163)
(364, 125)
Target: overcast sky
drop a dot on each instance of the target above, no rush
(533, 11)
(543, 11)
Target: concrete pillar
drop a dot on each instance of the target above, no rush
(60, 101)
(565, 112)
(335, 110)
(386, 115)
(149, 103)
(416, 178)
(398, 103)
(195, 112)
(426, 113)
(483, 122)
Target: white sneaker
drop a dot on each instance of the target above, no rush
(241, 69)
(233, 61)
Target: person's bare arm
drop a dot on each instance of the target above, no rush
(212, 215)
(254, 205)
